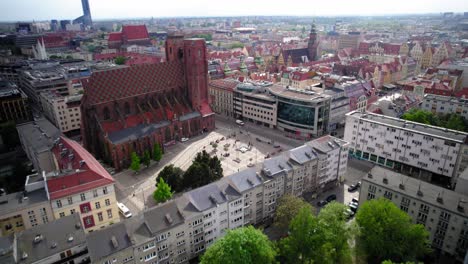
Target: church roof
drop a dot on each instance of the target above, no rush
(105, 86)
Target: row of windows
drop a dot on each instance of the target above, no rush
(83, 198)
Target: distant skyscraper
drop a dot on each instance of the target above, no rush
(85, 19)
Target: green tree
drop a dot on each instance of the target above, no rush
(288, 207)
(303, 29)
(332, 219)
(157, 152)
(236, 45)
(146, 158)
(245, 245)
(120, 60)
(173, 176)
(305, 243)
(196, 175)
(391, 262)
(386, 233)
(455, 122)
(163, 191)
(135, 162)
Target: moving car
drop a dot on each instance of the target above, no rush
(239, 122)
(331, 197)
(124, 210)
(184, 139)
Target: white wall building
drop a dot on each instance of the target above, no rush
(445, 105)
(427, 152)
(443, 212)
(63, 111)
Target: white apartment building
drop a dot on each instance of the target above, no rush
(221, 92)
(181, 229)
(443, 212)
(252, 102)
(63, 111)
(426, 152)
(439, 104)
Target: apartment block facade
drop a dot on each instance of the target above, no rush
(24, 210)
(439, 104)
(63, 111)
(427, 152)
(183, 228)
(444, 213)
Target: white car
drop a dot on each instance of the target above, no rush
(124, 210)
(184, 139)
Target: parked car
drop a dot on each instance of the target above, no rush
(226, 154)
(349, 213)
(276, 146)
(354, 200)
(322, 203)
(184, 139)
(353, 206)
(331, 197)
(258, 139)
(353, 187)
(124, 210)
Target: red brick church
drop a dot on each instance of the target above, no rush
(131, 109)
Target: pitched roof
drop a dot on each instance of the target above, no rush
(105, 86)
(134, 32)
(163, 217)
(82, 171)
(55, 233)
(108, 241)
(115, 36)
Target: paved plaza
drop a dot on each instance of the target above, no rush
(258, 143)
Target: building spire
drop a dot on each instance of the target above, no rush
(312, 28)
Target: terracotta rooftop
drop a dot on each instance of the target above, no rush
(81, 171)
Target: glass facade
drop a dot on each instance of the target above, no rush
(303, 115)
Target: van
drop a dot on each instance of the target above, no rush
(239, 122)
(124, 210)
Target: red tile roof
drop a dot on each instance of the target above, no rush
(105, 86)
(115, 36)
(205, 109)
(134, 32)
(80, 178)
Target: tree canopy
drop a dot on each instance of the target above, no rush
(157, 152)
(450, 121)
(163, 191)
(204, 170)
(173, 176)
(288, 207)
(242, 245)
(135, 162)
(377, 219)
(321, 239)
(120, 60)
(146, 158)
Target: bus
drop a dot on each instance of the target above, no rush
(124, 210)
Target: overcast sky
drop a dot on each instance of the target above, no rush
(14, 10)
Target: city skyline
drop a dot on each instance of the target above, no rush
(121, 9)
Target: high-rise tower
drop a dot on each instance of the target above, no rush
(312, 47)
(85, 19)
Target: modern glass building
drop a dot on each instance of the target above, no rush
(302, 113)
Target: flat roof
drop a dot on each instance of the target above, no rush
(449, 99)
(430, 192)
(429, 130)
(15, 202)
(39, 134)
(298, 94)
